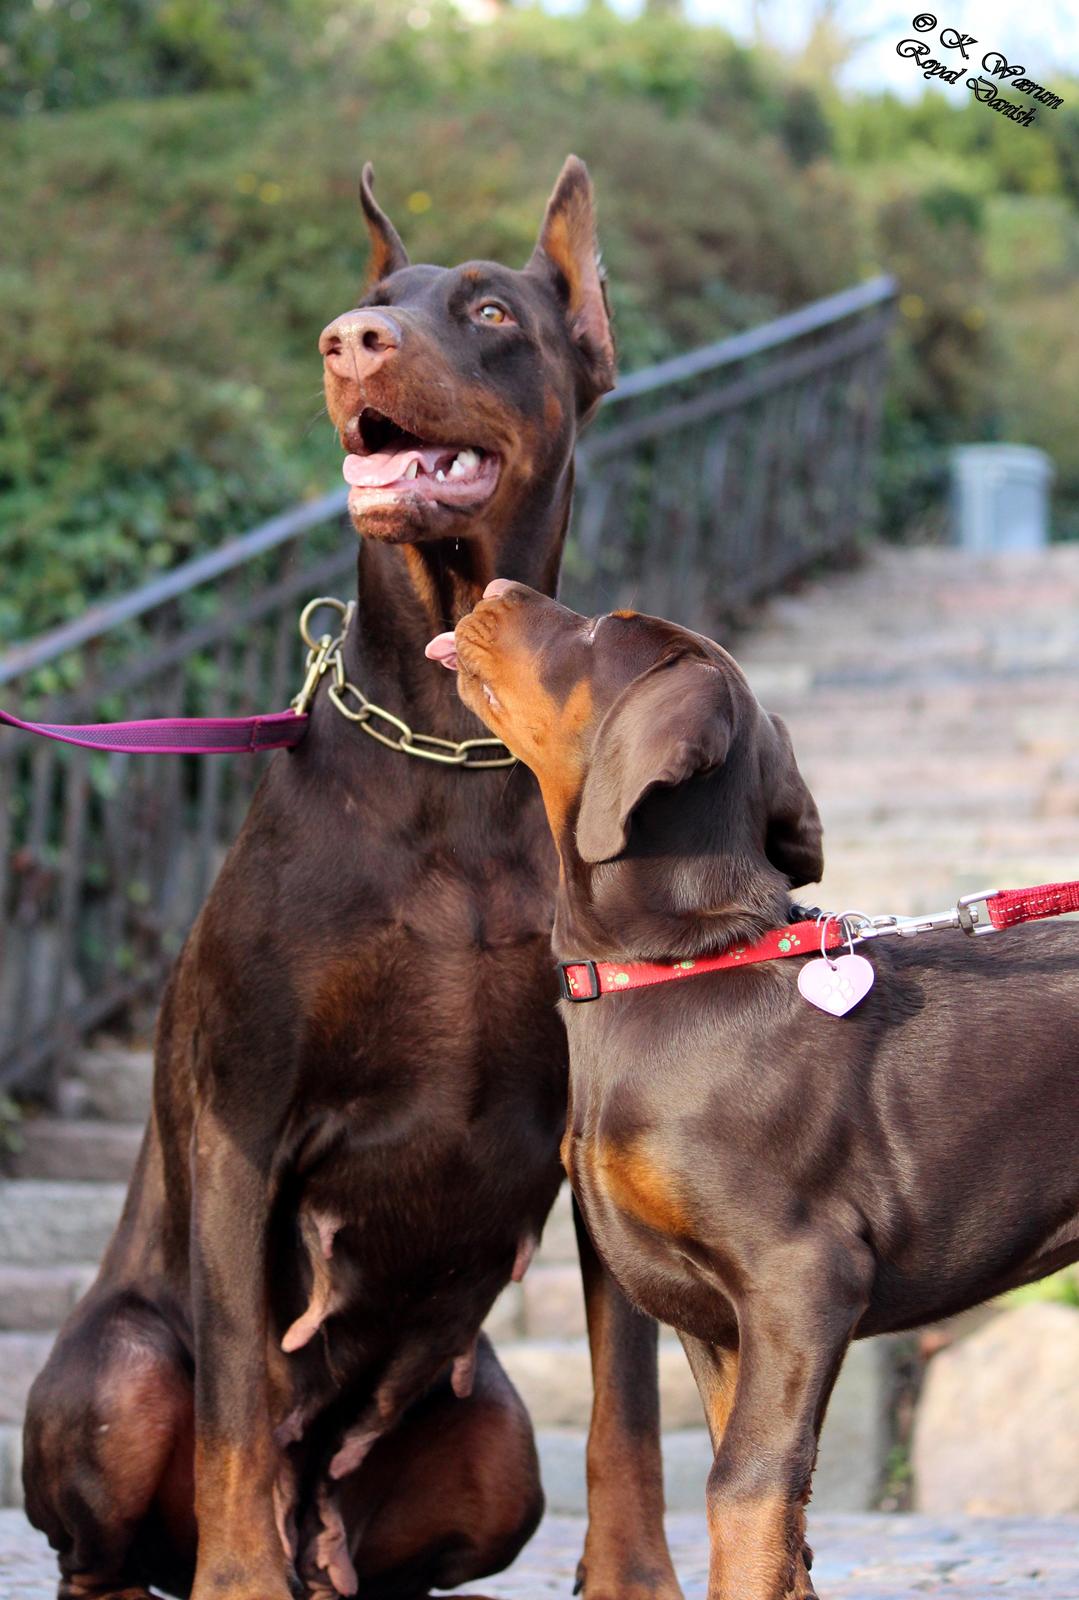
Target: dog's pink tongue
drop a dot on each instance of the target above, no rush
(443, 648)
(387, 466)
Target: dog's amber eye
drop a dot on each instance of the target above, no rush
(491, 312)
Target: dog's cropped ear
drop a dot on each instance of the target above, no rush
(673, 721)
(567, 253)
(388, 254)
(794, 838)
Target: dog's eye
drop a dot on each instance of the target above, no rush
(491, 312)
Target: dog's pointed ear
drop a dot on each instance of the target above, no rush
(567, 254)
(793, 839)
(672, 722)
(388, 254)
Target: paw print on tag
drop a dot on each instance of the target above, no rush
(837, 992)
(836, 986)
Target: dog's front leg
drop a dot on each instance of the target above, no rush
(240, 1555)
(715, 1368)
(625, 1554)
(794, 1325)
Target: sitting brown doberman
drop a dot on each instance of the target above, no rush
(278, 1382)
(772, 1180)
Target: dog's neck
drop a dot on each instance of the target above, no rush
(693, 881)
(409, 592)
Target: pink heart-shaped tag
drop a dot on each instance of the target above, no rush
(836, 986)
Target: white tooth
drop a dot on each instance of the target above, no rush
(458, 467)
(440, 475)
(469, 459)
(412, 470)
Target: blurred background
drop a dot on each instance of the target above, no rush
(178, 187)
(842, 277)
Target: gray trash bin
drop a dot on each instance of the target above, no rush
(1000, 496)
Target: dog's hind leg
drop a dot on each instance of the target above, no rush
(107, 1467)
(625, 1553)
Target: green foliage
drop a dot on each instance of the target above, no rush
(979, 220)
(176, 260)
(59, 54)
(184, 222)
(1062, 1288)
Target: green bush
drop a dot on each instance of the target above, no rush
(184, 219)
(176, 260)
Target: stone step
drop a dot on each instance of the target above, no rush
(559, 1241)
(554, 1377)
(45, 1222)
(35, 1299)
(22, 1356)
(687, 1456)
(686, 1459)
(847, 1477)
(110, 1081)
(85, 1151)
(11, 1496)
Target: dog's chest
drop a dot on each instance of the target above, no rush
(434, 1062)
(406, 1232)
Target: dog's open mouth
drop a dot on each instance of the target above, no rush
(388, 461)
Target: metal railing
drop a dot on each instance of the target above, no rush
(707, 481)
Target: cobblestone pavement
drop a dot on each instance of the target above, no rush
(858, 1558)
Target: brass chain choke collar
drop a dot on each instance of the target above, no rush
(325, 656)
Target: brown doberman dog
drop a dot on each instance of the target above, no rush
(278, 1382)
(771, 1180)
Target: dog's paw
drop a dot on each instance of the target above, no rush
(625, 1581)
(803, 1584)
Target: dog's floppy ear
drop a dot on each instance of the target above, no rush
(567, 250)
(388, 254)
(793, 840)
(673, 721)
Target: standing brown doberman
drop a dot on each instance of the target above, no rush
(278, 1382)
(770, 1178)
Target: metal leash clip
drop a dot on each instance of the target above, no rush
(970, 912)
(324, 652)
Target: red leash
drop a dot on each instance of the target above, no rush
(1004, 908)
(1011, 906)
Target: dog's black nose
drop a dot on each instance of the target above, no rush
(357, 344)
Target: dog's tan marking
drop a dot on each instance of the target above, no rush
(642, 1188)
(756, 1546)
(560, 758)
(239, 1552)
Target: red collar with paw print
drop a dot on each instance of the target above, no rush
(987, 912)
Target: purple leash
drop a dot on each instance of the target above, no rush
(211, 736)
(190, 736)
